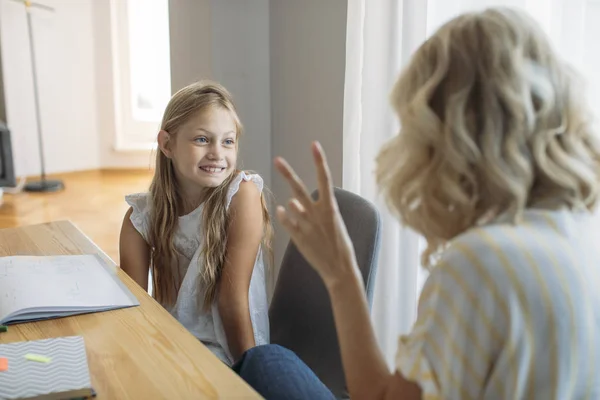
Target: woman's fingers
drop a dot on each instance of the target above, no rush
(298, 187)
(288, 223)
(294, 218)
(323, 174)
(295, 182)
(298, 213)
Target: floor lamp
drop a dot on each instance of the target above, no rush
(43, 185)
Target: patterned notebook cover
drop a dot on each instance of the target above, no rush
(63, 374)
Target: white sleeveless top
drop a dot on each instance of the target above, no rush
(188, 239)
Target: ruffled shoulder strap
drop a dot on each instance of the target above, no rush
(234, 186)
(140, 217)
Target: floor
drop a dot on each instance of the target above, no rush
(92, 200)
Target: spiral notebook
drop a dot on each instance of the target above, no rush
(64, 373)
(34, 288)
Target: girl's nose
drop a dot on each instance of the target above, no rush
(215, 151)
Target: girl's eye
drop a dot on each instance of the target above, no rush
(201, 140)
(229, 142)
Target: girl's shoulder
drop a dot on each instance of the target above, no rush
(140, 202)
(243, 176)
(140, 215)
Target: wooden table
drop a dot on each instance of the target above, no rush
(135, 353)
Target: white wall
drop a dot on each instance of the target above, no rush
(66, 71)
(590, 63)
(104, 85)
(308, 53)
(76, 83)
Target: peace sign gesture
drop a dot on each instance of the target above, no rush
(316, 227)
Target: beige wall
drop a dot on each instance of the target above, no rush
(228, 41)
(308, 53)
(240, 60)
(191, 52)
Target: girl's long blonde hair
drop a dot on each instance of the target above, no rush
(491, 123)
(167, 203)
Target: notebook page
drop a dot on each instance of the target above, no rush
(68, 282)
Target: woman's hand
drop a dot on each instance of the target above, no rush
(316, 227)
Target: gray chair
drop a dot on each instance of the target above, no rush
(300, 314)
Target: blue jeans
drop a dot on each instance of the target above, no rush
(277, 373)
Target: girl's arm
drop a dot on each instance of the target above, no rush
(134, 252)
(245, 233)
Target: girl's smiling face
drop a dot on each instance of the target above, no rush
(203, 151)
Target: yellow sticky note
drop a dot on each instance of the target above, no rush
(38, 358)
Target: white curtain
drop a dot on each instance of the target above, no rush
(377, 44)
(381, 37)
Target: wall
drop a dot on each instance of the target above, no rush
(589, 62)
(2, 102)
(284, 62)
(225, 40)
(240, 61)
(308, 53)
(104, 85)
(191, 48)
(66, 70)
(228, 41)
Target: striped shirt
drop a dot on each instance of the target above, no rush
(511, 312)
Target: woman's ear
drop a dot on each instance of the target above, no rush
(165, 143)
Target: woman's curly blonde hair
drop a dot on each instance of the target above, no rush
(492, 122)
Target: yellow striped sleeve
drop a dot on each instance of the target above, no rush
(511, 310)
(450, 349)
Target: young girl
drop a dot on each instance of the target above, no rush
(203, 228)
(498, 166)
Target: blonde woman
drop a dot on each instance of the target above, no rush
(497, 167)
(203, 228)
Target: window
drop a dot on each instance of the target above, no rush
(141, 66)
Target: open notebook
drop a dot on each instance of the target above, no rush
(64, 374)
(34, 288)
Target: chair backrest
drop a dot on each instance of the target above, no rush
(300, 314)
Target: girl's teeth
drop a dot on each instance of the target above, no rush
(208, 169)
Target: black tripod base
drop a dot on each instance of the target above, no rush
(44, 186)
